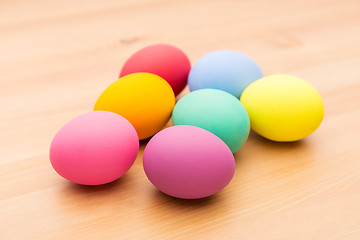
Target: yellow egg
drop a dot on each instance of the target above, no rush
(283, 108)
(144, 99)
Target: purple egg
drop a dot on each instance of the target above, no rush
(188, 162)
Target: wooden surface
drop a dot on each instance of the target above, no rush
(56, 57)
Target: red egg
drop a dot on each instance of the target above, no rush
(163, 60)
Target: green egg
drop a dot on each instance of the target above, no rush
(216, 111)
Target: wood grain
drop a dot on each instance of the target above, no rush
(56, 57)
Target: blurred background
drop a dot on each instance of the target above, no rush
(56, 57)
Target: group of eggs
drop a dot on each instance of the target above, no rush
(193, 158)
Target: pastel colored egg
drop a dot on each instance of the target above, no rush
(216, 111)
(188, 162)
(94, 148)
(225, 70)
(145, 99)
(283, 108)
(163, 60)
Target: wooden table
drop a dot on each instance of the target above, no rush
(56, 57)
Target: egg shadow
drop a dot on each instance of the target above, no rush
(273, 156)
(183, 203)
(166, 214)
(88, 195)
(295, 156)
(143, 143)
(264, 142)
(79, 188)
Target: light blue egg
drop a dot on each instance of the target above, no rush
(225, 70)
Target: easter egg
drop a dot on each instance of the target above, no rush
(145, 99)
(94, 148)
(283, 108)
(216, 111)
(163, 60)
(225, 70)
(188, 162)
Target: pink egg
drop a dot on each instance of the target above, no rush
(188, 162)
(94, 148)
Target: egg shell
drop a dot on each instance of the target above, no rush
(283, 108)
(145, 99)
(163, 60)
(225, 70)
(216, 111)
(94, 148)
(188, 162)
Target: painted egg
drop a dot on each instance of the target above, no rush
(283, 108)
(216, 111)
(94, 148)
(188, 162)
(163, 60)
(225, 70)
(145, 99)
